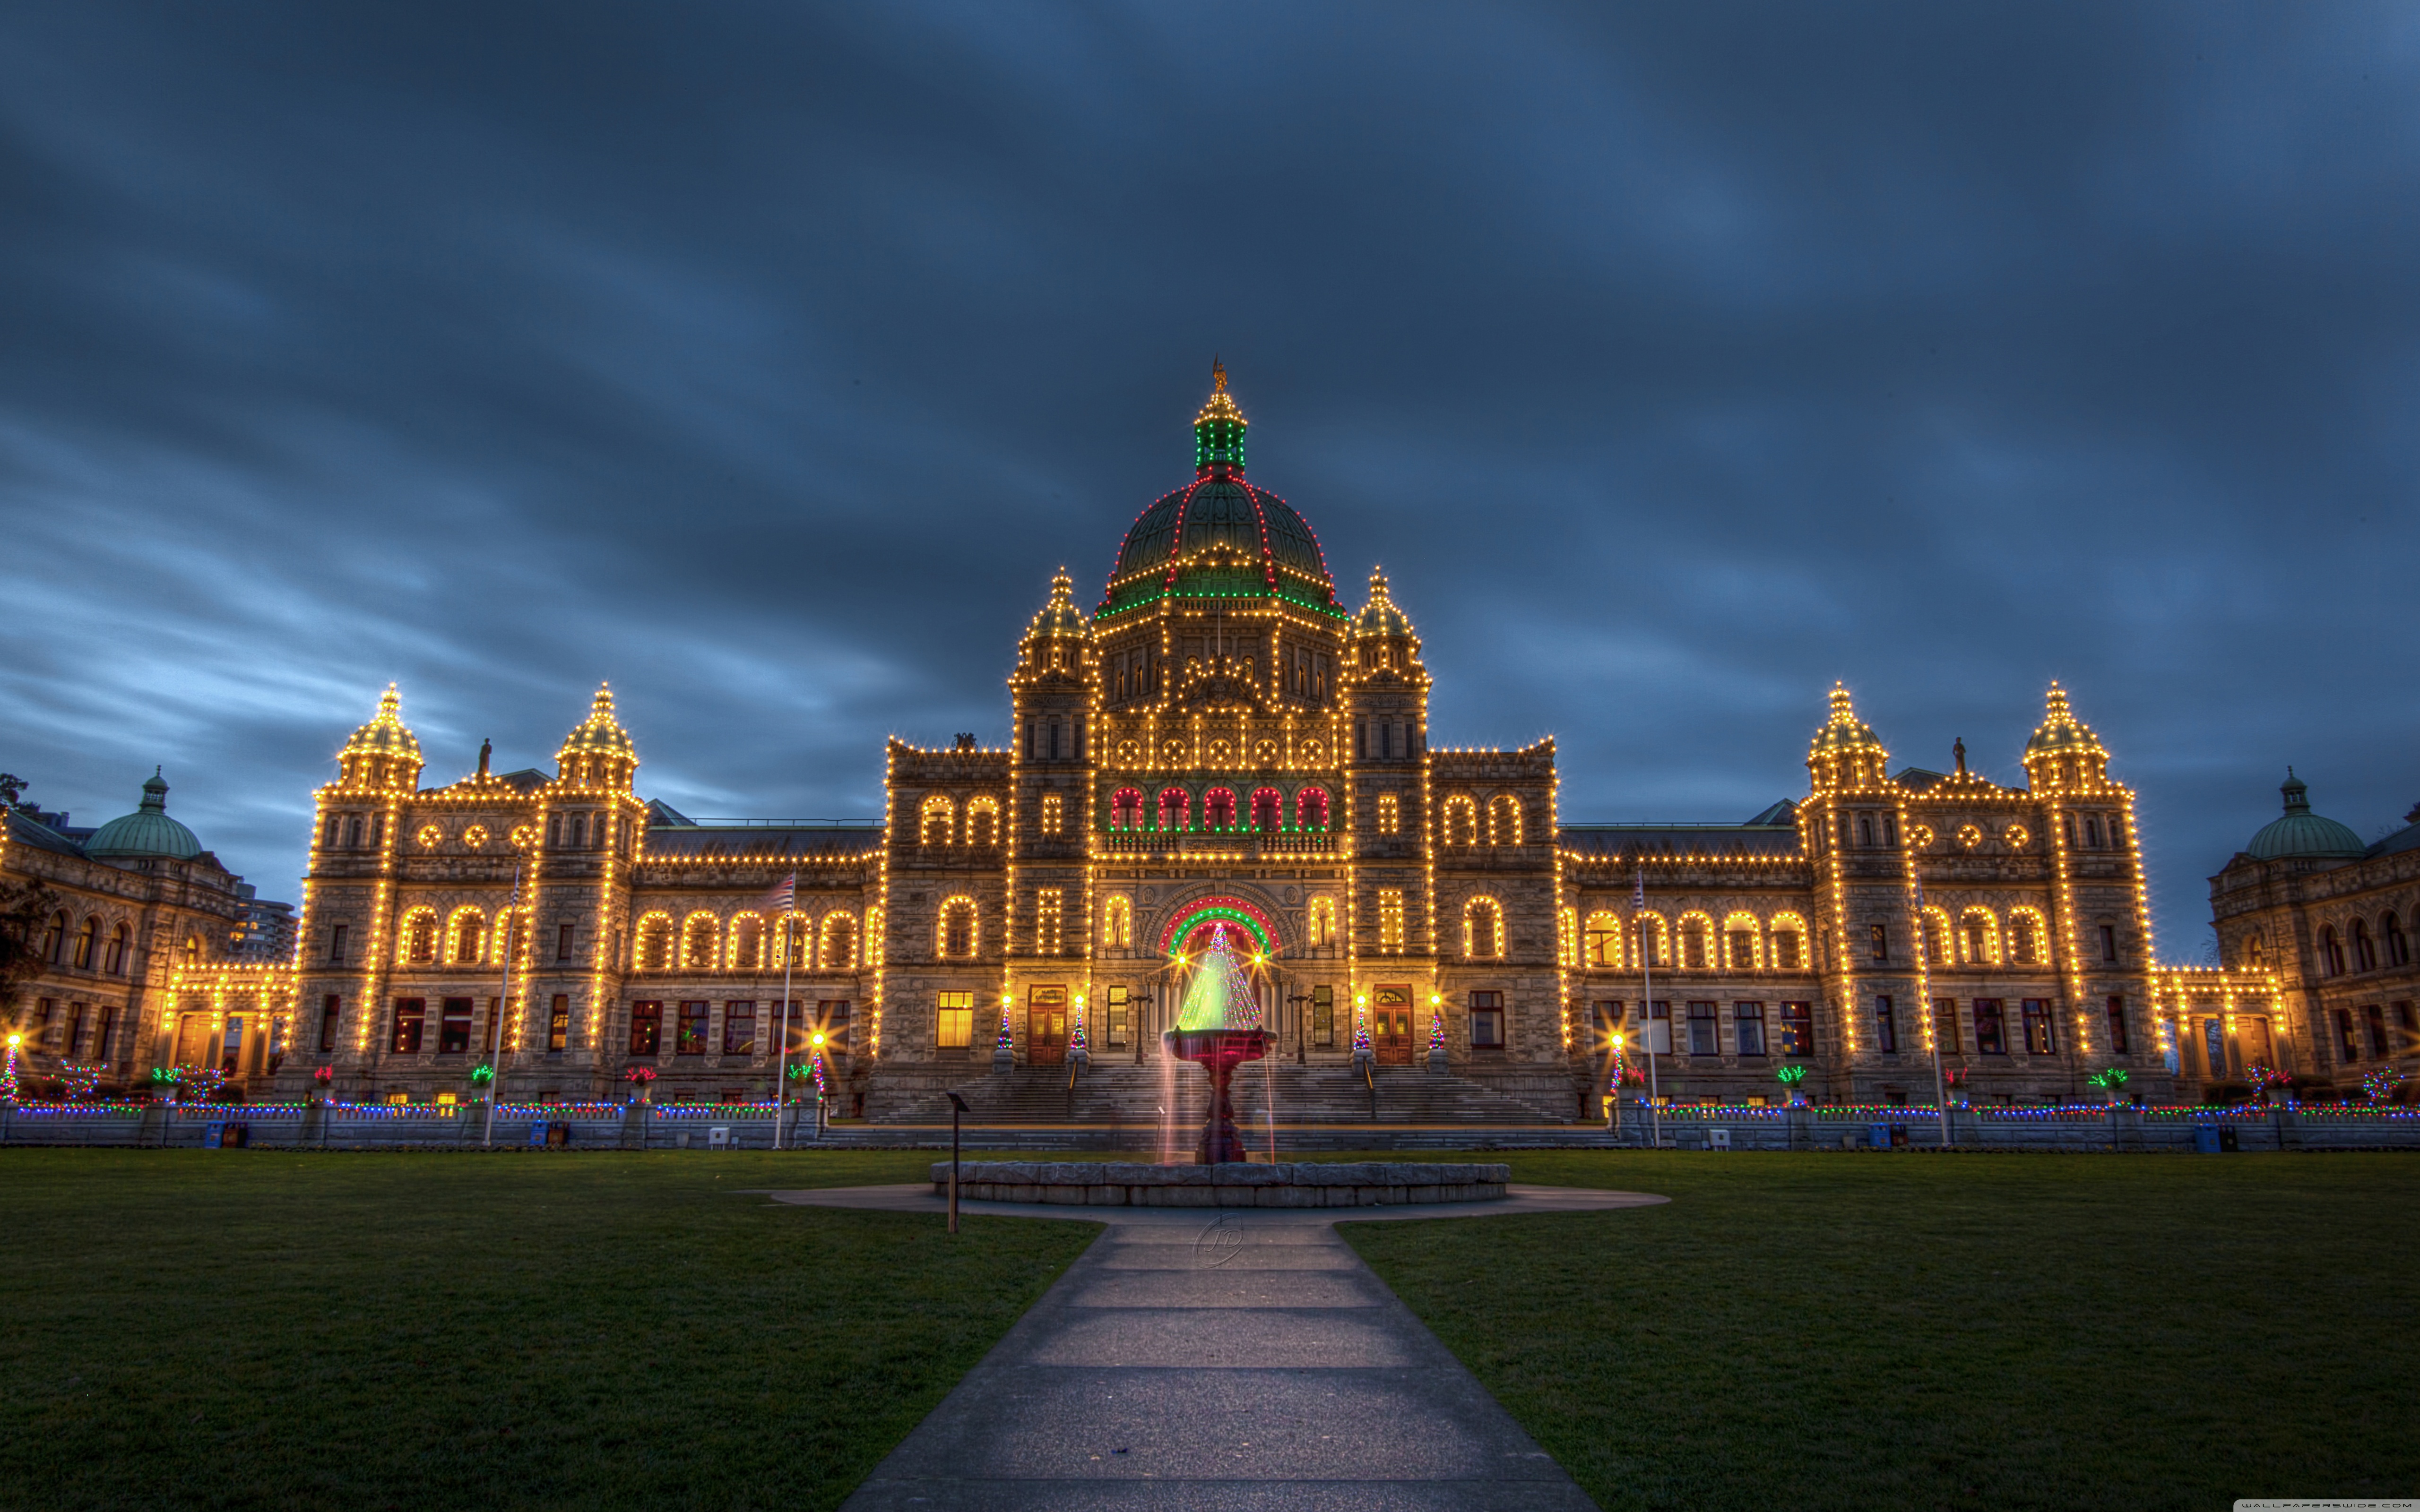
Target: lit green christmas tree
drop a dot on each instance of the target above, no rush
(1219, 996)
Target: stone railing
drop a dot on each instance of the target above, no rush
(404, 1126)
(1242, 842)
(2079, 1129)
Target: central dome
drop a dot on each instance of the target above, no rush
(1219, 537)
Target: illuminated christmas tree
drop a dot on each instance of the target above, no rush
(1221, 996)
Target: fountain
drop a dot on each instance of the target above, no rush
(1217, 1028)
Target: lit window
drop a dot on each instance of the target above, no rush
(1390, 918)
(1045, 922)
(1389, 814)
(956, 1023)
(1051, 811)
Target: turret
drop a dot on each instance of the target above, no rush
(598, 755)
(382, 756)
(1846, 757)
(2064, 755)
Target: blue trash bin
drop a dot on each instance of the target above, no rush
(2205, 1139)
(1878, 1136)
(537, 1131)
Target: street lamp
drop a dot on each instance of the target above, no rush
(815, 1061)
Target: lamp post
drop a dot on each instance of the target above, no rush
(1613, 1114)
(815, 1060)
(1301, 1005)
(957, 1105)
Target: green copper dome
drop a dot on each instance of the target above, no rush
(2301, 833)
(1222, 537)
(147, 832)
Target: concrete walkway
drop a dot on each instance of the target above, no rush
(1224, 1362)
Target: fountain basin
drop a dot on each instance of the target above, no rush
(1302, 1184)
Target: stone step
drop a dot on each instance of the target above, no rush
(1120, 1094)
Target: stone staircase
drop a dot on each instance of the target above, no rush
(1119, 1096)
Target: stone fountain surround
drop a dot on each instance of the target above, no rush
(1228, 1184)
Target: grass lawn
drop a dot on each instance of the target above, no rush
(261, 1330)
(1862, 1332)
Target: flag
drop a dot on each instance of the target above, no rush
(1639, 888)
(784, 898)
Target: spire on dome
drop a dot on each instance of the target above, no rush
(599, 748)
(1060, 616)
(1380, 616)
(1846, 753)
(2062, 741)
(1218, 429)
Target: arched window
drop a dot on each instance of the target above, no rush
(656, 943)
(118, 940)
(579, 832)
(1268, 808)
(747, 951)
(1322, 921)
(1939, 943)
(1788, 941)
(2024, 937)
(2253, 952)
(1651, 938)
(464, 933)
(1483, 930)
(983, 820)
(2365, 949)
(792, 936)
(1117, 920)
(193, 950)
(1310, 808)
(354, 833)
(936, 821)
(698, 937)
(1173, 803)
(2398, 950)
(1742, 937)
(1218, 808)
(1978, 937)
(874, 936)
(55, 939)
(1567, 937)
(957, 931)
(1504, 819)
(88, 938)
(1602, 948)
(837, 950)
(1460, 821)
(1695, 928)
(2331, 951)
(420, 937)
(1125, 810)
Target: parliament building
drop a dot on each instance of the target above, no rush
(1221, 743)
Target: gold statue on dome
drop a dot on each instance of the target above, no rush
(1218, 375)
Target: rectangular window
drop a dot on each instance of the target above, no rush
(1885, 1026)
(563, 942)
(1052, 814)
(1658, 1025)
(2374, 1019)
(1747, 1026)
(2117, 1026)
(1881, 940)
(1323, 1016)
(1604, 1021)
(690, 1038)
(337, 946)
(332, 1009)
(646, 1028)
(739, 1028)
(1390, 815)
(454, 1027)
(1944, 1026)
(1705, 1038)
(1488, 1021)
(1390, 918)
(1798, 1030)
(2108, 942)
(1046, 906)
(231, 1051)
(834, 1016)
(1121, 1025)
(409, 1014)
(957, 1025)
(2038, 1041)
(1991, 1036)
(558, 1023)
(2213, 1047)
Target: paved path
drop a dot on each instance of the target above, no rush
(1227, 1362)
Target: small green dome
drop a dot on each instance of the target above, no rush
(1380, 616)
(2301, 833)
(147, 832)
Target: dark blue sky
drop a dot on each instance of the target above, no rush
(1675, 359)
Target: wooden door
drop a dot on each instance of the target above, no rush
(1390, 1025)
(1045, 1027)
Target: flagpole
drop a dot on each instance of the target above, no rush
(1924, 1006)
(1646, 1004)
(503, 1007)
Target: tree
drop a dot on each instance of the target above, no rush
(2411, 818)
(12, 787)
(23, 908)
